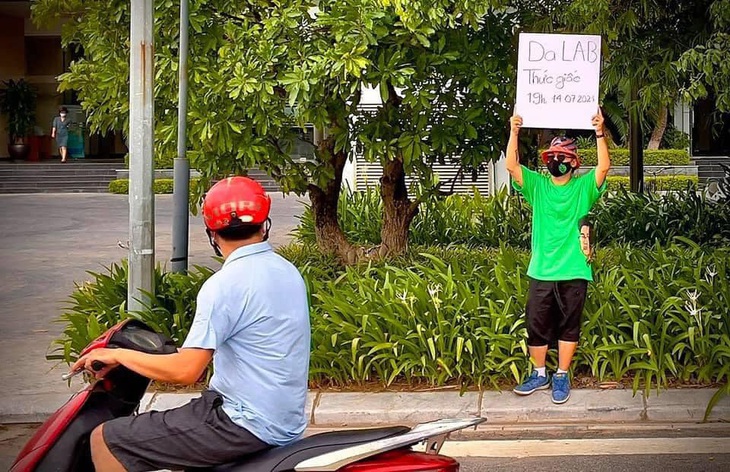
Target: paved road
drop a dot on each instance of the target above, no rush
(13, 437)
(48, 242)
(619, 463)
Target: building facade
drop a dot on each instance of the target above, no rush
(36, 55)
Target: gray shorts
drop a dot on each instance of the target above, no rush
(198, 434)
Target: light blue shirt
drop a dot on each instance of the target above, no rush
(254, 313)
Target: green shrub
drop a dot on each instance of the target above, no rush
(459, 319)
(658, 315)
(456, 219)
(456, 316)
(620, 157)
(92, 308)
(160, 186)
(620, 216)
(163, 160)
(99, 304)
(359, 214)
(119, 186)
(475, 221)
(643, 219)
(659, 183)
(163, 186)
(675, 139)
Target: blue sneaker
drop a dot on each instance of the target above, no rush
(533, 382)
(561, 388)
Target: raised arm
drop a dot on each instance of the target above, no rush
(513, 154)
(604, 159)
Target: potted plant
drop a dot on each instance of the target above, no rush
(17, 102)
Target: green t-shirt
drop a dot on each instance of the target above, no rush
(556, 211)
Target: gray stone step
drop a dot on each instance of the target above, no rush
(85, 189)
(58, 165)
(77, 176)
(81, 184)
(9, 175)
(56, 181)
(73, 176)
(55, 171)
(708, 168)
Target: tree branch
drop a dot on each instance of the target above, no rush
(256, 17)
(276, 144)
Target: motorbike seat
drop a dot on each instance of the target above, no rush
(284, 459)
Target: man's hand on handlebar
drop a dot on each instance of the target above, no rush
(99, 362)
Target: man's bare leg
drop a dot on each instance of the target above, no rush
(566, 350)
(538, 354)
(104, 460)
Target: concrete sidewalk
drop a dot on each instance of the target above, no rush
(336, 410)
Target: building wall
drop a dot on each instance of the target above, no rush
(44, 63)
(12, 61)
(35, 54)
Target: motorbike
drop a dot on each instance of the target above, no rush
(61, 444)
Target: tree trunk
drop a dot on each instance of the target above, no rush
(398, 210)
(636, 150)
(661, 126)
(330, 237)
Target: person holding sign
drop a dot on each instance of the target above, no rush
(560, 266)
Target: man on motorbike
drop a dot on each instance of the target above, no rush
(252, 320)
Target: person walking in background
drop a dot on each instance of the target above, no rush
(560, 266)
(59, 132)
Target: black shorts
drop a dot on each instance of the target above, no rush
(554, 311)
(198, 434)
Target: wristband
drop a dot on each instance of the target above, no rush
(599, 135)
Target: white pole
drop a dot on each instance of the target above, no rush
(141, 163)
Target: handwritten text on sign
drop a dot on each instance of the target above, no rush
(557, 80)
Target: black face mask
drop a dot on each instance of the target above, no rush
(558, 168)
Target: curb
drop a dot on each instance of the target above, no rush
(333, 409)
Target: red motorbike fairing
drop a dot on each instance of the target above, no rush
(103, 340)
(404, 460)
(48, 433)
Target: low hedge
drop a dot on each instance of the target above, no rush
(620, 157)
(659, 183)
(620, 217)
(455, 316)
(160, 186)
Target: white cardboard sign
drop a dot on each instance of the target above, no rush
(557, 80)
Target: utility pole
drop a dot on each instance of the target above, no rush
(636, 149)
(181, 176)
(141, 163)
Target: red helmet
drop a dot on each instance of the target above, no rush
(562, 145)
(235, 201)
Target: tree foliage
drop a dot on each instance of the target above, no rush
(707, 63)
(260, 69)
(660, 47)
